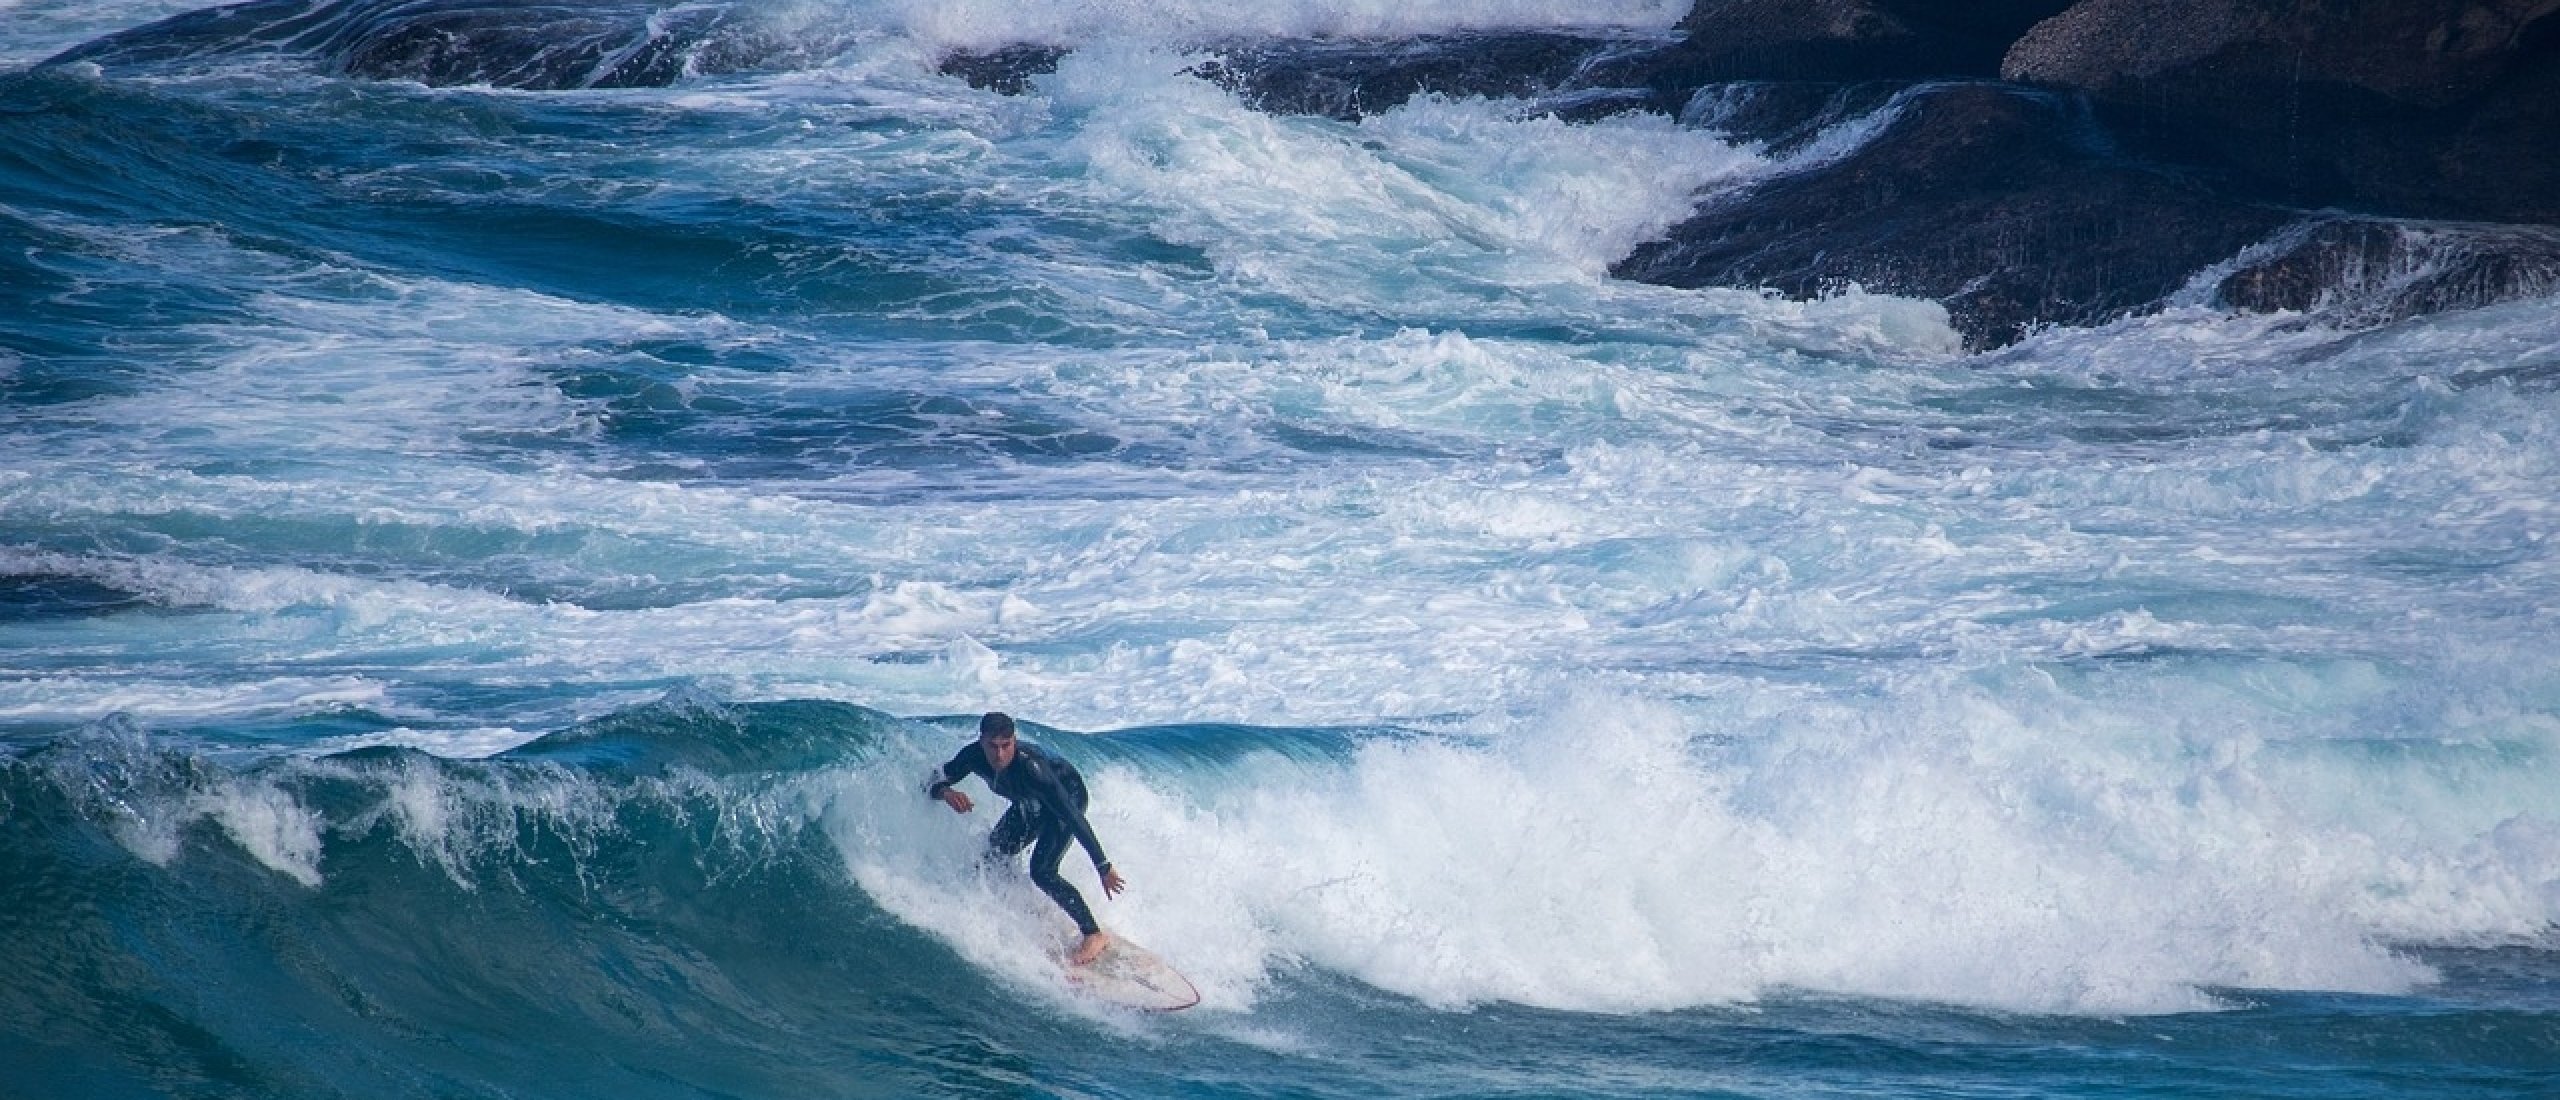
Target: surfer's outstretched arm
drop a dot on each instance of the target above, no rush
(959, 767)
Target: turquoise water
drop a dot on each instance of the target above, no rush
(482, 572)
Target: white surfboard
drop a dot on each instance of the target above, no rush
(1133, 977)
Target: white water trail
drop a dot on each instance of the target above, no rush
(2011, 842)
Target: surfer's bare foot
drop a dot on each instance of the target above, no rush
(1092, 948)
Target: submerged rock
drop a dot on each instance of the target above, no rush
(2006, 205)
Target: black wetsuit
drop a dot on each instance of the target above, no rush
(1048, 808)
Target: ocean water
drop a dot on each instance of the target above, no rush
(482, 573)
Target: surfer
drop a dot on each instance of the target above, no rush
(1048, 808)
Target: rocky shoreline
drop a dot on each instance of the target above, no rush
(2047, 162)
(2032, 162)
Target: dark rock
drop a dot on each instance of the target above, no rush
(1006, 71)
(540, 46)
(1846, 40)
(2006, 205)
(2424, 52)
(1350, 78)
(1985, 20)
(2502, 158)
(1347, 79)
(2440, 108)
(2358, 272)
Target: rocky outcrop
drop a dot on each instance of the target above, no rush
(2444, 108)
(2003, 204)
(2213, 122)
(2216, 124)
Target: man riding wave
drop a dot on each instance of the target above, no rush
(1048, 800)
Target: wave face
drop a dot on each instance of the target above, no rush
(591, 44)
(483, 569)
(753, 899)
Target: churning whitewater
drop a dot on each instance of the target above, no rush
(484, 572)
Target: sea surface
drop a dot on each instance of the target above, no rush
(483, 573)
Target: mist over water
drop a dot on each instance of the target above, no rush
(573, 516)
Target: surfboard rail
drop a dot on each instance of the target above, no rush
(1131, 976)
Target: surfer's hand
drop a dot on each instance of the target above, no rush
(1111, 883)
(958, 802)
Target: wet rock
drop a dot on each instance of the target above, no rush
(1005, 71)
(2424, 107)
(1847, 40)
(2497, 157)
(1350, 78)
(2357, 272)
(1784, 116)
(2007, 206)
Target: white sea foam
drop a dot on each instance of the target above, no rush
(1319, 209)
(150, 803)
(452, 744)
(270, 825)
(79, 697)
(2346, 759)
(1383, 590)
(1426, 585)
(1990, 844)
(1587, 193)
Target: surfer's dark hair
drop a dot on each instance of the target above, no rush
(996, 724)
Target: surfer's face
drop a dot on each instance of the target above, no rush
(999, 750)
